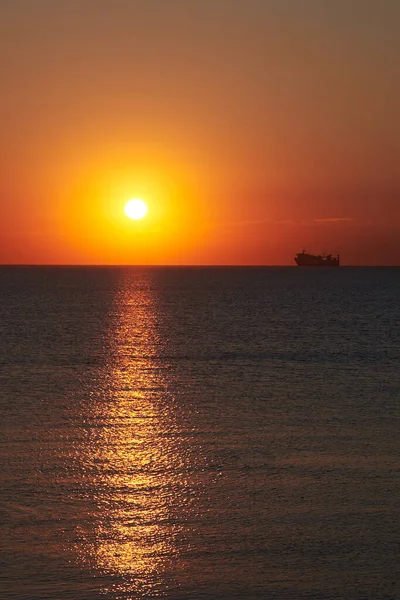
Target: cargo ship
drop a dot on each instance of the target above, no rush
(305, 259)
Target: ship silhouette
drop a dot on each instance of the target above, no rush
(305, 259)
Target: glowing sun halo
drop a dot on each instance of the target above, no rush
(135, 209)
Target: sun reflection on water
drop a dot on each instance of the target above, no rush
(133, 455)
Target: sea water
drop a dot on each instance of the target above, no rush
(199, 433)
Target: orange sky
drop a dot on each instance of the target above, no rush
(252, 129)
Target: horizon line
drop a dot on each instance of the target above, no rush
(188, 265)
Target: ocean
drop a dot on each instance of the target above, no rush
(199, 433)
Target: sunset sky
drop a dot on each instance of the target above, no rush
(251, 128)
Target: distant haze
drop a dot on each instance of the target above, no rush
(252, 129)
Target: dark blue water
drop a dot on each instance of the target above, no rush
(199, 433)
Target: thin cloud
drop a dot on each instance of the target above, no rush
(247, 222)
(258, 222)
(333, 220)
(299, 223)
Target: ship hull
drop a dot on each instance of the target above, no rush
(304, 259)
(311, 264)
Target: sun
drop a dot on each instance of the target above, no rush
(136, 209)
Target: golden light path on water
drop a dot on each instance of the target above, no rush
(134, 451)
